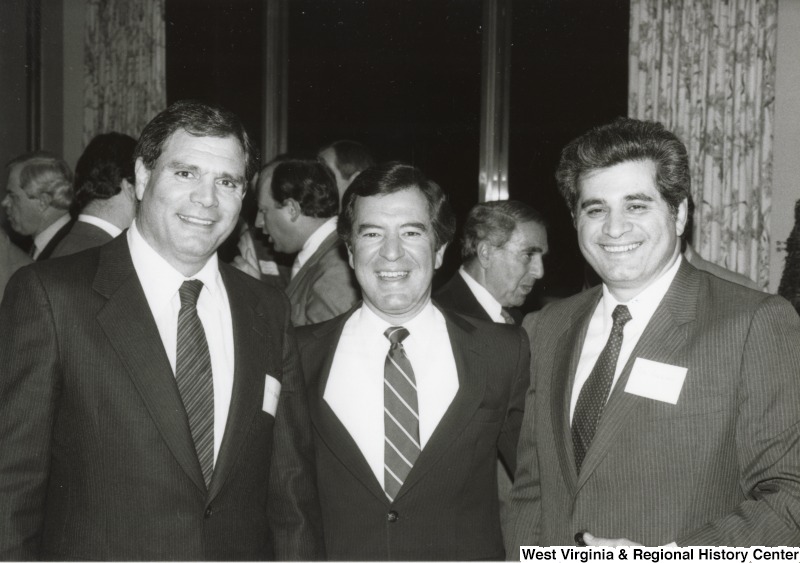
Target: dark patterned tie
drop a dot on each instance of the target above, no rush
(400, 414)
(593, 396)
(507, 317)
(193, 375)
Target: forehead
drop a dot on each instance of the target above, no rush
(13, 175)
(204, 151)
(394, 208)
(528, 234)
(620, 181)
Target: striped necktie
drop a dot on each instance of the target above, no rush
(400, 414)
(194, 378)
(507, 317)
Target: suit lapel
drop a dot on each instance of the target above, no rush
(473, 368)
(129, 325)
(252, 346)
(663, 337)
(564, 367)
(319, 355)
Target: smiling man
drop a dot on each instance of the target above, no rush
(663, 404)
(153, 403)
(409, 403)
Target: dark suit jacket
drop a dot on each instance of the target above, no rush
(456, 296)
(47, 251)
(447, 507)
(96, 456)
(12, 258)
(325, 286)
(720, 467)
(80, 237)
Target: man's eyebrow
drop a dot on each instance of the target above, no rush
(639, 197)
(590, 202)
(367, 226)
(179, 165)
(416, 225)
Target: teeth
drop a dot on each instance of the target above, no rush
(392, 275)
(624, 248)
(195, 220)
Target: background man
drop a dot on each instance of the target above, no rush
(105, 198)
(503, 246)
(297, 209)
(663, 404)
(39, 193)
(409, 403)
(134, 426)
(346, 159)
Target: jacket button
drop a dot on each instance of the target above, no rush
(209, 512)
(392, 516)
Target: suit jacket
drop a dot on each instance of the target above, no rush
(325, 286)
(80, 237)
(12, 258)
(457, 296)
(96, 456)
(720, 467)
(47, 251)
(447, 507)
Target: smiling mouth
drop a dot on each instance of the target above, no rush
(391, 276)
(616, 248)
(195, 220)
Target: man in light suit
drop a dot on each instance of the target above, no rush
(663, 405)
(409, 403)
(297, 209)
(153, 405)
(105, 198)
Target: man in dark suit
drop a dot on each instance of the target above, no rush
(663, 405)
(503, 246)
(39, 193)
(105, 199)
(153, 403)
(297, 208)
(409, 403)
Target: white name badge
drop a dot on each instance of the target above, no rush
(272, 390)
(657, 381)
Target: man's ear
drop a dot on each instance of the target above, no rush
(294, 209)
(142, 178)
(350, 255)
(44, 200)
(484, 254)
(681, 217)
(439, 257)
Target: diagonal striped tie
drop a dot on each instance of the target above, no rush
(193, 375)
(400, 414)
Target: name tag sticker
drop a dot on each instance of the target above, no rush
(272, 390)
(657, 381)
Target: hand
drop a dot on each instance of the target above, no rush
(591, 540)
(241, 264)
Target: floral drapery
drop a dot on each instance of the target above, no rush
(706, 70)
(124, 59)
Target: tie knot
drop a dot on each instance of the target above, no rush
(396, 334)
(189, 292)
(621, 315)
(507, 316)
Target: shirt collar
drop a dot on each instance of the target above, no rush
(643, 305)
(110, 228)
(486, 299)
(420, 327)
(313, 243)
(42, 239)
(160, 280)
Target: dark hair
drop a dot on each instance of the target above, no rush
(105, 162)
(42, 172)
(624, 140)
(391, 177)
(495, 221)
(351, 157)
(309, 183)
(199, 119)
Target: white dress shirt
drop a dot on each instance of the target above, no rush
(641, 309)
(110, 228)
(312, 244)
(161, 283)
(491, 305)
(354, 390)
(41, 240)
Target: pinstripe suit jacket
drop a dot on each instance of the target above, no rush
(325, 286)
(96, 456)
(447, 508)
(721, 467)
(81, 236)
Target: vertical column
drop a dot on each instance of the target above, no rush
(496, 72)
(275, 73)
(33, 67)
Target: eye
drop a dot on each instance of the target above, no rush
(637, 207)
(594, 211)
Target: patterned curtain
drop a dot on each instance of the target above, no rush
(706, 70)
(124, 56)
